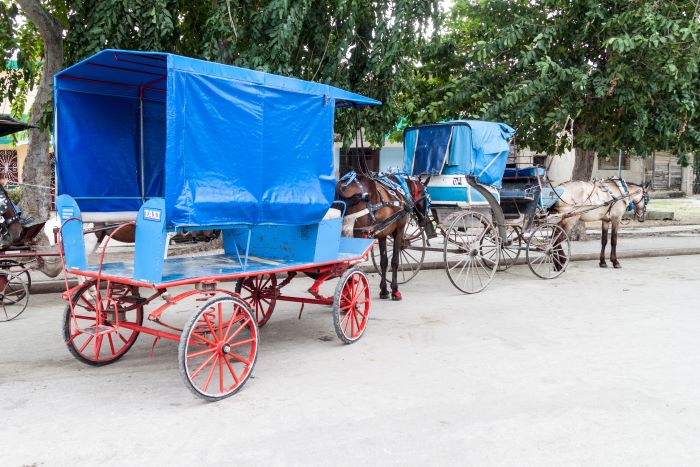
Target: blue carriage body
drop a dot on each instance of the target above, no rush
(186, 144)
(451, 151)
(461, 147)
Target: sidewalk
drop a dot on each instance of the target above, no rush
(635, 242)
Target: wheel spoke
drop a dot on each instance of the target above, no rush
(89, 339)
(230, 323)
(239, 358)
(211, 373)
(221, 374)
(201, 352)
(221, 328)
(122, 337)
(237, 331)
(243, 342)
(230, 368)
(201, 367)
(211, 328)
(111, 344)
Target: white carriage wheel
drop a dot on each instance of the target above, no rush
(511, 247)
(412, 252)
(471, 251)
(548, 251)
(14, 294)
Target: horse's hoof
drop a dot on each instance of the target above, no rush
(384, 295)
(617, 265)
(603, 265)
(396, 296)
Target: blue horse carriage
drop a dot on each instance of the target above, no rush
(172, 144)
(482, 209)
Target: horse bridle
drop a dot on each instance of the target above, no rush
(5, 222)
(645, 199)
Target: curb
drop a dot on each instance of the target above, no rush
(57, 286)
(580, 257)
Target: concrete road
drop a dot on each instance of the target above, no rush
(598, 367)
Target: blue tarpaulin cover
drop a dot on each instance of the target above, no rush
(467, 147)
(223, 145)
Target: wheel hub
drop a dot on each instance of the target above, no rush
(225, 349)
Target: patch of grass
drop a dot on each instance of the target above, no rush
(684, 209)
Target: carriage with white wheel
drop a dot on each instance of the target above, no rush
(172, 144)
(481, 214)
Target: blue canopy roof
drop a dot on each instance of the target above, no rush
(466, 147)
(223, 145)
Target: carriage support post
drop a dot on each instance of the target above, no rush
(496, 210)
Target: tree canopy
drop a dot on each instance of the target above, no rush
(365, 47)
(622, 74)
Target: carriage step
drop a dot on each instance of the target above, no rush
(133, 300)
(99, 330)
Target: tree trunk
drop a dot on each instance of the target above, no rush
(583, 169)
(583, 164)
(36, 171)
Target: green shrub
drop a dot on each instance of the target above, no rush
(15, 194)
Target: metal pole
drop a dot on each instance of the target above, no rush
(619, 164)
(141, 161)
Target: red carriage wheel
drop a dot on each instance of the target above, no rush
(260, 292)
(91, 327)
(218, 348)
(351, 304)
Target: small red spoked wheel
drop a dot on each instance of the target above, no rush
(218, 348)
(351, 304)
(93, 329)
(260, 293)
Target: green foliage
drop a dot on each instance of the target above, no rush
(366, 47)
(94, 25)
(620, 73)
(15, 194)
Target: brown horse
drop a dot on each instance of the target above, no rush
(604, 200)
(378, 210)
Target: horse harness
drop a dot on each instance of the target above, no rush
(600, 184)
(5, 222)
(393, 189)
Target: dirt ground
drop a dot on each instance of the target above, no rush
(597, 367)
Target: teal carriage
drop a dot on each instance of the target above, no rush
(172, 144)
(483, 210)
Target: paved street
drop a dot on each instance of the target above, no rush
(598, 367)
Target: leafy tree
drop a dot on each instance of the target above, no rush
(366, 47)
(617, 74)
(38, 44)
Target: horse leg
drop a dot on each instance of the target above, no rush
(613, 244)
(395, 261)
(383, 263)
(603, 244)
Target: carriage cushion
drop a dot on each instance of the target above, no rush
(332, 213)
(512, 172)
(115, 216)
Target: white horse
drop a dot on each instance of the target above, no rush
(604, 200)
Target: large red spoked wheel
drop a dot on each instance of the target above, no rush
(260, 293)
(92, 327)
(351, 304)
(218, 348)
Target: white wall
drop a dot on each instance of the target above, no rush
(635, 174)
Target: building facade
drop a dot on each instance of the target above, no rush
(661, 170)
